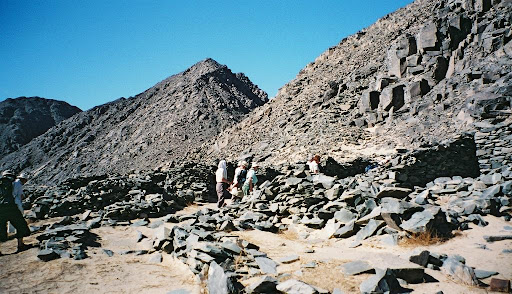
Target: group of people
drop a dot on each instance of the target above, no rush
(243, 182)
(11, 209)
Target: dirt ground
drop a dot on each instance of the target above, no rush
(24, 273)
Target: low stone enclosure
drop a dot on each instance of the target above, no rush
(432, 190)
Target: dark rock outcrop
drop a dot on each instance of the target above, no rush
(416, 77)
(24, 118)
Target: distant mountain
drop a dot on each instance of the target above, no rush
(162, 124)
(418, 76)
(24, 118)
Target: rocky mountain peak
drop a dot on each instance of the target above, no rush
(150, 130)
(203, 67)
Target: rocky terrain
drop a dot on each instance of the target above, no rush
(164, 123)
(427, 88)
(403, 82)
(425, 197)
(24, 118)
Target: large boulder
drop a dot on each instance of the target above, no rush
(392, 98)
(427, 37)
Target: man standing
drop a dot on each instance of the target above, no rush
(18, 190)
(9, 211)
(251, 180)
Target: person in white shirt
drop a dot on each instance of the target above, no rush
(17, 193)
(251, 179)
(313, 164)
(17, 190)
(221, 176)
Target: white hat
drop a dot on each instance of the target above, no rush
(255, 164)
(23, 176)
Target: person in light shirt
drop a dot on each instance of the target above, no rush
(251, 180)
(221, 176)
(17, 193)
(313, 164)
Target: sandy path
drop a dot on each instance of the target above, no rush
(24, 273)
(330, 254)
(134, 274)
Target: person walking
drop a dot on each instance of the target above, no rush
(239, 179)
(221, 176)
(9, 212)
(17, 192)
(251, 179)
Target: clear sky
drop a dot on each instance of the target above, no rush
(91, 52)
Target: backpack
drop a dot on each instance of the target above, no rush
(241, 177)
(6, 191)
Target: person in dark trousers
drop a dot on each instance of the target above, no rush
(9, 212)
(221, 176)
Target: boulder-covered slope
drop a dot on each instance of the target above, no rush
(24, 118)
(162, 124)
(417, 76)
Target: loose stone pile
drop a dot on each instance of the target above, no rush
(125, 197)
(64, 239)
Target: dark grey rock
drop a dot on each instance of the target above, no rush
(410, 275)
(459, 271)
(394, 192)
(497, 238)
(289, 259)
(47, 255)
(266, 265)
(217, 279)
(482, 274)
(344, 216)
(421, 259)
(431, 218)
(109, 253)
(293, 286)
(155, 258)
(265, 284)
(347, 230)
(367, 231)
(231, 247)
(356, 267)
(311, 264)
(383, 281)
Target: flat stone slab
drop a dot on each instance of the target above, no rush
(295, 286)
(367, 231)
(356, 267)
(482, 274)
(497, 238)
(265, 284)
(266, 265)
(394, 192)
(289, 259)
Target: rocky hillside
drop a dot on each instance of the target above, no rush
(147, 131)
(420, 75)
(24, 118)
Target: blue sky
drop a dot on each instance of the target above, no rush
(91, 52)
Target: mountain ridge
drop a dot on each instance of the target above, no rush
(146, 131)
(24, 118)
